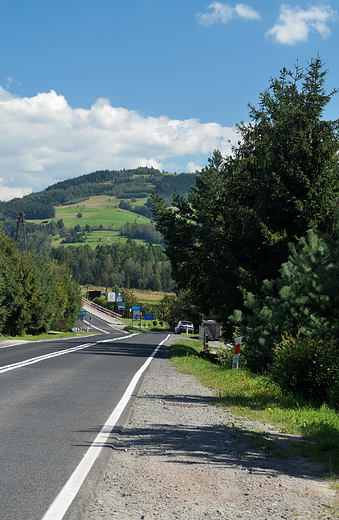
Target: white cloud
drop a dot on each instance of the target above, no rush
(192, 167)
(11, 81)
(245, 11)
(44, 140)
(11, 193)
(223, 13)
(294, 23)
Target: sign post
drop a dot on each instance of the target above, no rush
(115, 296)
(236, 355)
(136, 314)
(148, 316)
(202, 336)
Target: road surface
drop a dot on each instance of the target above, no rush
(56, 396)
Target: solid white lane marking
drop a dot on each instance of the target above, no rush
(94, 327)
(66, 496)
(37, 359)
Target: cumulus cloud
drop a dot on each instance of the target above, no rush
(193, 167)
(294, 23)
(44, 140)
(223, 13)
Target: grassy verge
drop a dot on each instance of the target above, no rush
(147, 325)
(259, 398)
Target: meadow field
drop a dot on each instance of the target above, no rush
(98, 210)
(96, 238)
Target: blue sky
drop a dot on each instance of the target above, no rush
(90, 85)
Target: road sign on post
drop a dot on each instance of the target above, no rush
(136, 315)
(115, 296)
(236, 355)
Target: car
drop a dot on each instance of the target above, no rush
(184, 326)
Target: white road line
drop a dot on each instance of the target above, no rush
(66, 496)
(37, 359)
(94, 327)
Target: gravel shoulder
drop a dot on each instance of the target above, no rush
(181, 457)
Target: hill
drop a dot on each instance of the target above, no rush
(114, 201)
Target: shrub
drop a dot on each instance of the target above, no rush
(308, 366)
(225, 357)
(155, 323)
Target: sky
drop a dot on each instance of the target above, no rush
(87, 86)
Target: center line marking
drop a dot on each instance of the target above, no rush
(37, 359)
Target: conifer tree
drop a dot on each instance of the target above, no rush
(233, 230)
(303, 300)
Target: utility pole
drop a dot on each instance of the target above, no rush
(20, 218)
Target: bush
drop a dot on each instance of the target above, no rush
(225, 357)
(155, 323)
(308, 367)
(304, 298)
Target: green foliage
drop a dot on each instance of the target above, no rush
(36, 295)
(180, 306)
(308, 367)
(126, 265)
(304, 298)
(146, 232)
(233, 230)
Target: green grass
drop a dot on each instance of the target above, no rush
(147, 296)
(95, 217)
(259, 398)
(147, 325)
(96, 238)
(98, 210)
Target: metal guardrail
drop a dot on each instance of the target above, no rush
(101, 309)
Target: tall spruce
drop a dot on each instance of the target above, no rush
(233, 230)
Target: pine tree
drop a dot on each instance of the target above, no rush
(303, 300)
(233, 230)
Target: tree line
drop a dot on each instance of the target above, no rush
(36, 294)
(255, 241)
(125, 265)
(138, 183)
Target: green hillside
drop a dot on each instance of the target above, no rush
(93, 209)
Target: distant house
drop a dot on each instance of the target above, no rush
(93, 294)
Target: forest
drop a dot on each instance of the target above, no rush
(125, 265)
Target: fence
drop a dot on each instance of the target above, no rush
(101, 309)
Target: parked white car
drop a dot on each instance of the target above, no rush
(184, 326)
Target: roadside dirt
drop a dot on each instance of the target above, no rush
(181, 457)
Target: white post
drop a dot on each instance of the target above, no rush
(236, 355)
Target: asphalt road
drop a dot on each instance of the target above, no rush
(53, 407)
